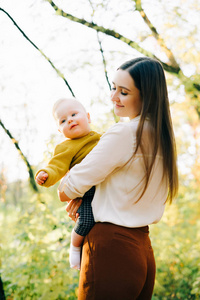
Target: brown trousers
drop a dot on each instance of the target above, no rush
(117, 264)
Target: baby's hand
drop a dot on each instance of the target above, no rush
(41, 177)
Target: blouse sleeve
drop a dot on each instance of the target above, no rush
(114, 149)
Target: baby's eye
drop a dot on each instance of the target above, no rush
(63, 121)
(73, 115)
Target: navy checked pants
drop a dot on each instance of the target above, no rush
(85, 220)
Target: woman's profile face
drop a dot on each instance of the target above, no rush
(125, 96)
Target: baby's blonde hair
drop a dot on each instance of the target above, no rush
(58, 102)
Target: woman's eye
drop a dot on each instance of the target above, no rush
(113, 88)
(124, 94)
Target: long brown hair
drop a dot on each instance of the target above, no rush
(149, 78)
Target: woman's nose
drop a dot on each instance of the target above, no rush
(114, 96)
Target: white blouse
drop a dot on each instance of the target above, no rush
(119, 178)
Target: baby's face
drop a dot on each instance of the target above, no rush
(72, 119)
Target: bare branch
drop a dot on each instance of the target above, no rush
(160, 40)
(115, 35)
(34, 45)
(31, 176)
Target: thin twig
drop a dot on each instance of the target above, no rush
(104, 61)
(31, 176)
(104, 64)
(34, 45)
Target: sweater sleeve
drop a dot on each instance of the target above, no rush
(59, 165)
(114, 149)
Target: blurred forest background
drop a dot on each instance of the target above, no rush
(53, 49)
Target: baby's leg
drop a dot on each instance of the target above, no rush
(85, 220)
(83, 225)
(75, 250)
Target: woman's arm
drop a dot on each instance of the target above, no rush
(114, 149)
(63, 197)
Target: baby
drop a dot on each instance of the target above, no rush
(73, 122)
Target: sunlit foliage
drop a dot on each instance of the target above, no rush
(35, 235)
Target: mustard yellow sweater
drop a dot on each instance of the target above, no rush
(67, 154)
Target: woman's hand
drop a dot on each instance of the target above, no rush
(72, 208)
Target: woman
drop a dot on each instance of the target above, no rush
(134, 170)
